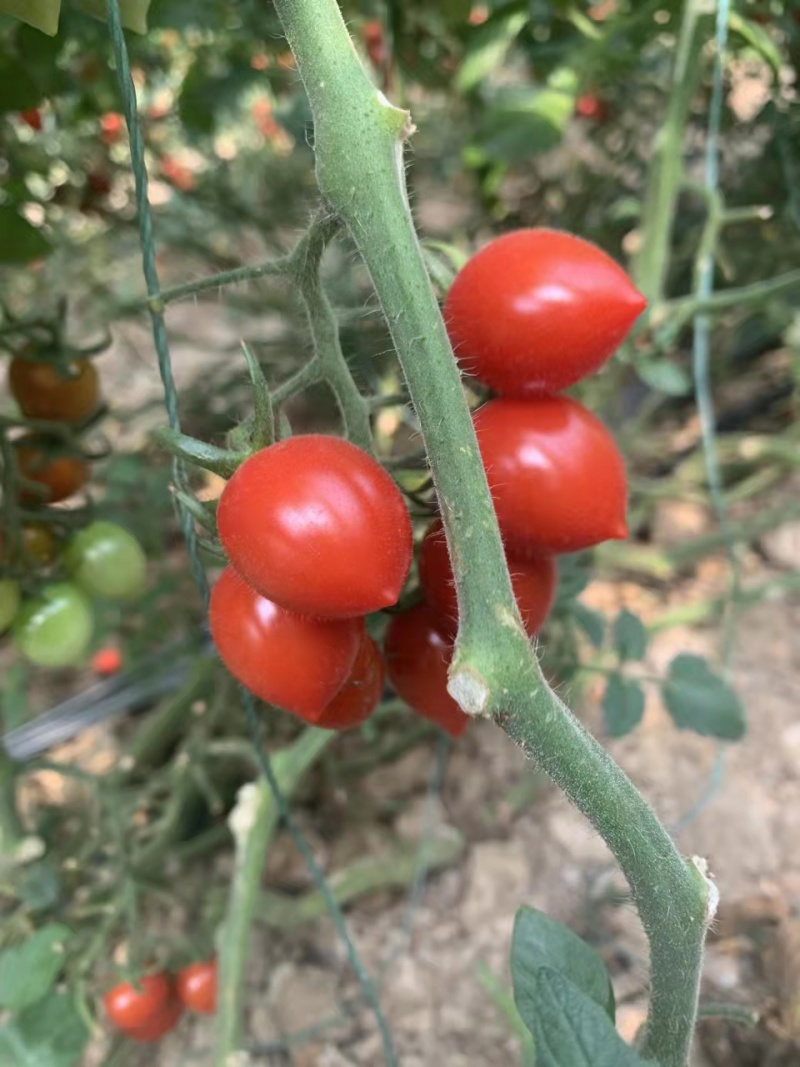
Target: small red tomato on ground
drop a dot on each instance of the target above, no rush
(32, 117)
(592, 107)
(45, 391)
(178, 174)
(295, 662)
(60, 475)
(197, 987)
(318, 526)
(537, 310)
(132, 1008)
(533, 581)
(107, 661)
(417, 659)
(360, 694)
(163, 1023)
(112, 126)
(557, 478)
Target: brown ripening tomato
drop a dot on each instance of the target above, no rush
(59, 475)
(45, 391)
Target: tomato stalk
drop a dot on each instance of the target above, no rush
(359, 159)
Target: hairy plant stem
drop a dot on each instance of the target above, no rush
(359, 158)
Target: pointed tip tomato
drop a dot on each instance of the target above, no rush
(418, 656)
(557, 478)
(318, 526)
(536, 310)
(292, 661)
(361, 693)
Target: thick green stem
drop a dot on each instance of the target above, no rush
(358, 145)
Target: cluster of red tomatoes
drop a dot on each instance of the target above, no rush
(318, 536)
(52, 621)
(149, 1010)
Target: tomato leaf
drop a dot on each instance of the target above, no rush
(592, 623)
(28, 971)
(699, 700)
(49, 1034)
(623, 705)
(19, 241)
(630, 636)
(539, 941)
(41, 14)
(488, 47)
(759, 38)
(665, 376)
(18, 90)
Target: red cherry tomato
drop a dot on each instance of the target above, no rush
(44, 392)
(557, 478)
(112, 126)
(292, 661)
(533, 581)
(318, 526)
(197, 987)
(375, 40)
(361, 693)
(592, 107)
(107, 661)
(32, 117)
(163, 1023)
(60, 475)
(130, 1008)
(417, 658)
(537, 310)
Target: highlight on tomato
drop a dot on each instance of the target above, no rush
(293, 661)
(43, 390)
(536, 310)
(196, 987)
(533, 581)
(317, 526)
(556, 476)
(41, 459)
(418, 655)
(361, 693)
(54, 629)
(107, 561)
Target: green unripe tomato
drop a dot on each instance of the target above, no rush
(107, 561)
(9, 602)
(55, 629)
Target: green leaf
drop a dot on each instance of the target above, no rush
(19, 241)
(699, 700)
(665, 376)
(50, 1034)
(28, 971)
(569, 1028)
(488, 47)
(630, 636)
(591, 622)
(18, 90)
(41, 14)
(132, 12)
(539, 941)
(759, 38)
(623, 705)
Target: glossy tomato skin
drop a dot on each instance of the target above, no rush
(533, 581)
(55, 629)
(361, 693)
(107, 561)
(557, 479)
(418, 655)
(318, 526)
(130, 1008)
(293, 661)
(536, 310)
(197, 987)
(59, 475)
(44, 392)
(160, 1026)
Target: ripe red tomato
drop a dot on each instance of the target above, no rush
(130, 1008)
(197, 987)
(160, 1026)
(417, 658)
(44, 392)
(360, 694)
(537, 310)
(592, 107)
(32, 117)
(292, 661)
(375, 40)
(533, 581)
(112, 126)
(60, 475)
(318, 526)
(557, 478)
(107, 661)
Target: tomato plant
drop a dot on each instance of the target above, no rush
(44, 391)
(9, 602)
(59, 475)
(536, 310)
(197, 987)
(557, 478)
(418, 655)
(318, 526)
(292, 661)
(138, 1008)
(359, 696)
(55, 628)
(107, 561)
(533, 581)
